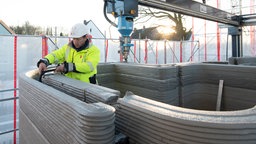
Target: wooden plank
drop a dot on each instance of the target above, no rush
(219, 95)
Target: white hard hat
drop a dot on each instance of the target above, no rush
(78, 30)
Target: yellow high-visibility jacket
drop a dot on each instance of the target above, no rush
(81, 64)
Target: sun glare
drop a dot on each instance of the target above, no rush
(165, 30)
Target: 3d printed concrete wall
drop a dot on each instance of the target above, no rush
(157, 82)
(189, 93)
(146, 121)
(199, 86)
(196, 119)
(49, 116)
(192, 86)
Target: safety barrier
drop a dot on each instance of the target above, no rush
(51, 116)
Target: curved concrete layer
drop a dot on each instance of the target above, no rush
(250, 61)
(89, 93)
(148, 121)
(158, 82)
(199, 85)
(190, 85)
(51, 116)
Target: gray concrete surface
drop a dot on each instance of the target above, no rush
(158, 103)
(51, 116)
(194, 91)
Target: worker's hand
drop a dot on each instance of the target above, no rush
(42, 67)
(60, 68)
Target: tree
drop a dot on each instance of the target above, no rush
(26, 29)
(49, 31)
(181, 32)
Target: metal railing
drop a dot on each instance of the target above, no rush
(14, 129)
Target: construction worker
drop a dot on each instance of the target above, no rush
(78, 59)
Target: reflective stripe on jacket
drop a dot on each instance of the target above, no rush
(85, 61)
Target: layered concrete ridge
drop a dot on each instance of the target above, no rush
(86, 92)
(49, 116)
(147, 121)
(196, 120)
(199, 85)
(190, 85)
(157, 82)
(169, 104)
(242, 61)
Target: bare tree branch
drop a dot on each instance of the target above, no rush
(144, 20)
(146, 14)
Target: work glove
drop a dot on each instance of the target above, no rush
(42, 65)
(65, 67)
(60, 68)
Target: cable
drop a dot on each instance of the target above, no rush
(105, 14)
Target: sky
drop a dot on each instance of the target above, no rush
(53, 13)
(61, 14)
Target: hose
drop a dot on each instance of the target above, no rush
(51, 69)
(105, 14)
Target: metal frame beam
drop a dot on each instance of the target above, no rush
(193, 8)
(248, 20)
